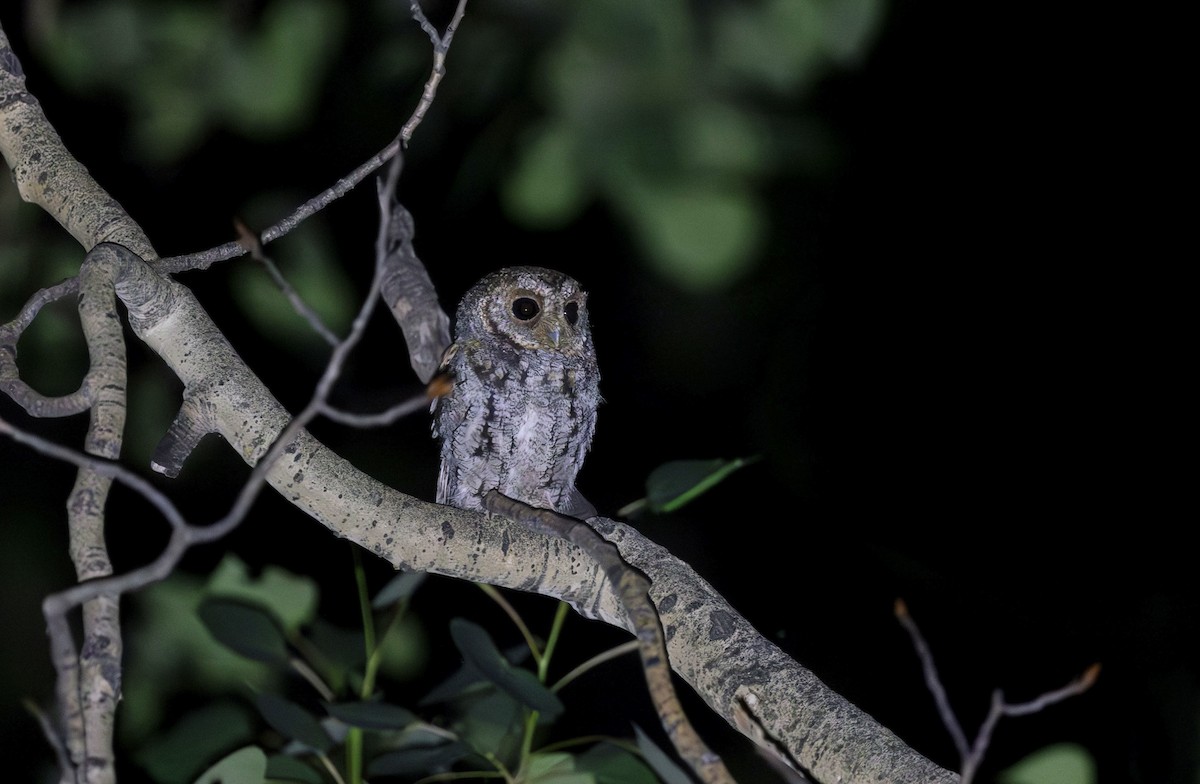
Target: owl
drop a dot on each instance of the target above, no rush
(521, 414)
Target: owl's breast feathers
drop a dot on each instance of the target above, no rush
(516, 421)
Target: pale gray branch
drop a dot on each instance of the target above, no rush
(712, 647)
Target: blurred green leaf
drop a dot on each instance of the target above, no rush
(338, 652)
(281, 767)
(291, 598)
(674, 484)
(399, 589)
(418, 759)
(776, 43)
(247, 765)
(616, 59)
(699, 234)
(245, 628)
(179, 754)
(1062, 763)
(461, 681)
(293, 722)
(547, 189)
(170, 649)
(850, 27)
(659, 760)
(489, 720)
(614, 765)
(557, 767)
(273, 80)
(404, 650)
(481, 653)
(715, 136)
(185, 68)
(372, 715)
(638, 114)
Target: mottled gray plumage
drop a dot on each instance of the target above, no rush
(522, 411)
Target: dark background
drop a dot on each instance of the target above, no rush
(955, 355)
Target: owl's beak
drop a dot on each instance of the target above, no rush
(553, 333)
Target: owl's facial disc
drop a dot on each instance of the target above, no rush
(548, 327)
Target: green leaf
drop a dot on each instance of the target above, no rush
(249, 630)
(290, 720)
(490, 720)
(482, 654)
(699, 232)
(341, 649)
(556, 768)
(1062, 763)
(273, 80)
(179, 754)
(291, 598)
(404, 649)
(417, 760)
(281, 767)
(372, 715)
(547, 190)
(663, 765)
(614, 765)
(400, 588)
(247, 765)
(169, 647)
(675, 484)
(459, 682)
(724, 138)
(851, 28)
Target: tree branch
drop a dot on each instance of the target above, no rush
(712, 647)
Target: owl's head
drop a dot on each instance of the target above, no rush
(531, 307)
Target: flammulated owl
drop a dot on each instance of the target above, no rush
(522, 412)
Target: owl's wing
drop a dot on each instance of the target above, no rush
(441, 408)
(578, 506)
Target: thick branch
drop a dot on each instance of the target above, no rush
(711, 646)
(409, 293)
(49, 176)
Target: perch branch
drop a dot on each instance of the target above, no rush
(633, 590)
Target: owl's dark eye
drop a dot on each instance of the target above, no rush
(525, 308)
(571, 311)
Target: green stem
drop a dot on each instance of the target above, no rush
(511, 612)
(560, 618)
(596, 660)
(543, 663)
(354, 736)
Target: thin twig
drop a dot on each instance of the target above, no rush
(230, 250)
(1075, 687)
(441, 46)
(251, 242)
(932, 681)
(406, 408)
(56, 743)
(972, 756)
